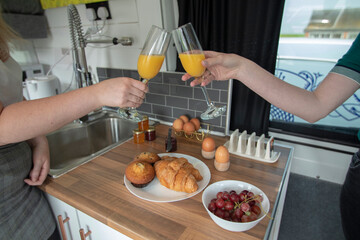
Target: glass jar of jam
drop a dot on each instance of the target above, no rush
(144, 124)
(173, 144)
(150, 133)
(139, 136)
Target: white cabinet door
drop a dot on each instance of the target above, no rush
(98, 229)
(72, 226)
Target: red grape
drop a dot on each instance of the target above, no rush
(220, 213)
(256, 209)
(219, 195)
(232, 191)
(229, 205)
(246, 218)
(251, 203)
(250, 194)
(245, 207)
(242, 197)
(213, 200)
(259, 198)
(238, 213)
(245, 192)
(220, 203)
(212, 207)
(234, 197)
(226, 196)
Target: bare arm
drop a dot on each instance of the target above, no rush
(28, 119)
(311, 106)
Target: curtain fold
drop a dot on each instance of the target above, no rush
(249, 28)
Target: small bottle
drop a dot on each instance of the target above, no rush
(139, 136)
(150, 133)
(144, 124)
(173, 145)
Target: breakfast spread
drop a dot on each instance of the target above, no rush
(174, 173)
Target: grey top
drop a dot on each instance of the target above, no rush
(24, 211)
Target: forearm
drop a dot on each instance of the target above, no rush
(311, 106)
(28, 119)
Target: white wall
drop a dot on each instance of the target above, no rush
(130, 18)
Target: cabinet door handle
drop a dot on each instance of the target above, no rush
(62, 227)
(83, 235)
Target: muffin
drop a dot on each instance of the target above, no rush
(147, 157)
(140, 173)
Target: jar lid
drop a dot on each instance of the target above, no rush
(137, 131)
(150, 129)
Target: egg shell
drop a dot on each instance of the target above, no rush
(178, 124)
(208, 144)
(184, 118)
(189, 128)
(196, 123)
(222, 154)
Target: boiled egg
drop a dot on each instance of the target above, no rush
(189, 128)
(178, 124)
(184, 118)
(196, 123)
(208, 148)
(221, 161)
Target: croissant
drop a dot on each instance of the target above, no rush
(177, 174)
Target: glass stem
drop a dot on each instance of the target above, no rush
(206, 94)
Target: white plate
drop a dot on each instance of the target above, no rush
(155, 192)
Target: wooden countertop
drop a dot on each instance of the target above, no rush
(97, 188)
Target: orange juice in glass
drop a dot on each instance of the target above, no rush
(192, 63)
(149, 65)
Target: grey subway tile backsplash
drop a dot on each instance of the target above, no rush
(169, 97)
(159, 88)
(214, 95)
(177, 102)
(181, 91)
(155, 98)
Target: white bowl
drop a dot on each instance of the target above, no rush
(228, 185)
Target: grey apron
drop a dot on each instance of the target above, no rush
(24, 210)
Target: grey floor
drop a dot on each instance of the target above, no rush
(311, 210)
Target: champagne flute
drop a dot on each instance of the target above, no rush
(191, 55)
(149, 63)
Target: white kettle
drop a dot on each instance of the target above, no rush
(40, 87)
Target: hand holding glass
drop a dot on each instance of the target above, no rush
(149, 63)
(191, 55)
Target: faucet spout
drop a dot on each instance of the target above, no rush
(82, 74)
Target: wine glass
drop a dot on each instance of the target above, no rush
(191, 55)
(149, 63)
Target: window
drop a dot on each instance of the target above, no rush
(314, 35)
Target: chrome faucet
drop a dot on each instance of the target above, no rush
(78, 44)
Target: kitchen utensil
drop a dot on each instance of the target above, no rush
(168, 145)
(43, 86)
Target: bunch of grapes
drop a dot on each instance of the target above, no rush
(242, 207)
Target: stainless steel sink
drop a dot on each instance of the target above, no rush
(78, 143)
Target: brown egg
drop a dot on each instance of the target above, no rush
(208, 144)
(189, 128)
(184, 118)
(178, 124)
(196, 123)
(222, 154)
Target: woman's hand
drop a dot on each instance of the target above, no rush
(220, 66)
(41, 161)
(122, 92)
